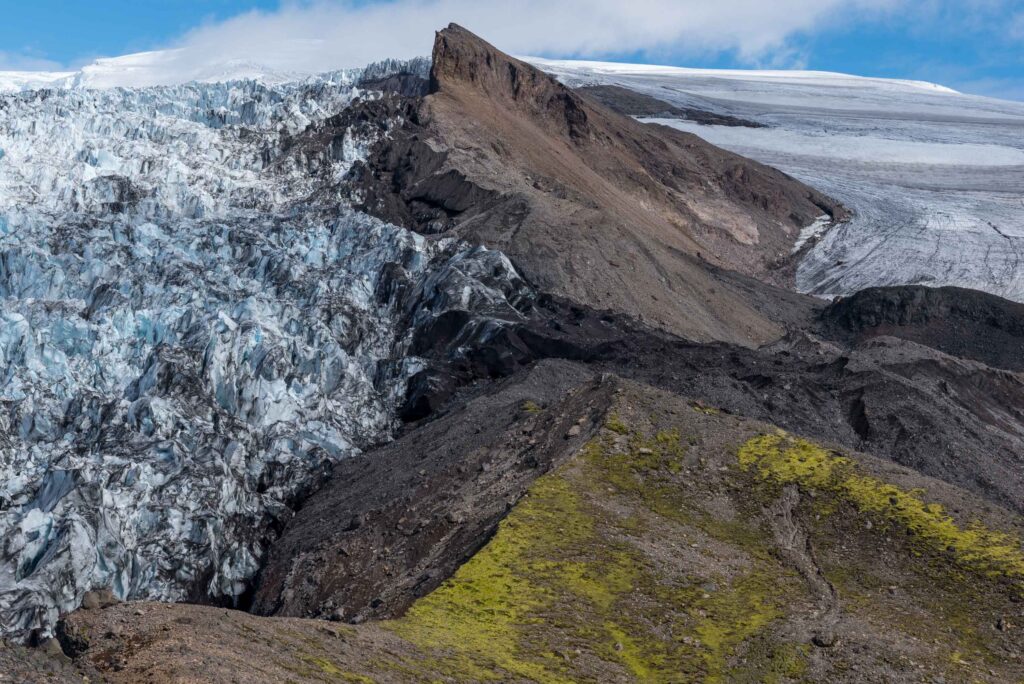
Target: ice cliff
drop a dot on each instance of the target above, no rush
(194, 328)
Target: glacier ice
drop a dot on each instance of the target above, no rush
(194, 328)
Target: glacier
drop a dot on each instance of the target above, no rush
(195, 327)
(935, 178)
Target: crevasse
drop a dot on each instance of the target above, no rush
(194, 328)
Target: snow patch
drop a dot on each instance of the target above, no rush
(813, 231)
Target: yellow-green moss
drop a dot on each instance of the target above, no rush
(558, 582)
(643, 458)
(769, 662)
(631, 653)
(783, 459)
(721, 621)
(532, 407)
(354, 678)
(334, 672)
(731, 617)
(615, 424)
(646, 469)
(500, 615)
(478, 614)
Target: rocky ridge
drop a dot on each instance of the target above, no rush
(588, 203)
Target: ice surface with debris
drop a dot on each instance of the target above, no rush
(935, 178)
(194, 328)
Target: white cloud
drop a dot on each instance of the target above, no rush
(324, 35)
(1016, 26)
(13, 61)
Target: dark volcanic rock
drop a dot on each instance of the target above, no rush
(426, 502)
(631, 103)
(968, 323)
(954, 419)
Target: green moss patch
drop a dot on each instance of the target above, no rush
(564, 591)
(782, 459)
(532, 407)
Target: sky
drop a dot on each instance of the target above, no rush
(975, 46)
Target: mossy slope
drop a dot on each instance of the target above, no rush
(653, 556)
(566, 590)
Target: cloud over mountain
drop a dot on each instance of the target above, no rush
(324, 35)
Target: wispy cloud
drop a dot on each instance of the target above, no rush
(15, 61)
(324, 35)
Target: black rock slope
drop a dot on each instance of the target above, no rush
(960, 322)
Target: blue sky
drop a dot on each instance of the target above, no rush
(973, 45)
(55, 33)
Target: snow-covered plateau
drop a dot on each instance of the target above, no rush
(935, 178)
(194, 328)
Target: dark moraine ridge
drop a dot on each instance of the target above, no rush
(631, 103)
(960, 322)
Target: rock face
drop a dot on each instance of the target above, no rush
(960, 322)
(586, 202)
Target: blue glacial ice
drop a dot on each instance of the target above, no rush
(188, 339)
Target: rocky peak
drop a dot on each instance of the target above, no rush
(464, 64)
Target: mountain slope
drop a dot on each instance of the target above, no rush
(932, 177)
(588, 203)
(678, 543)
